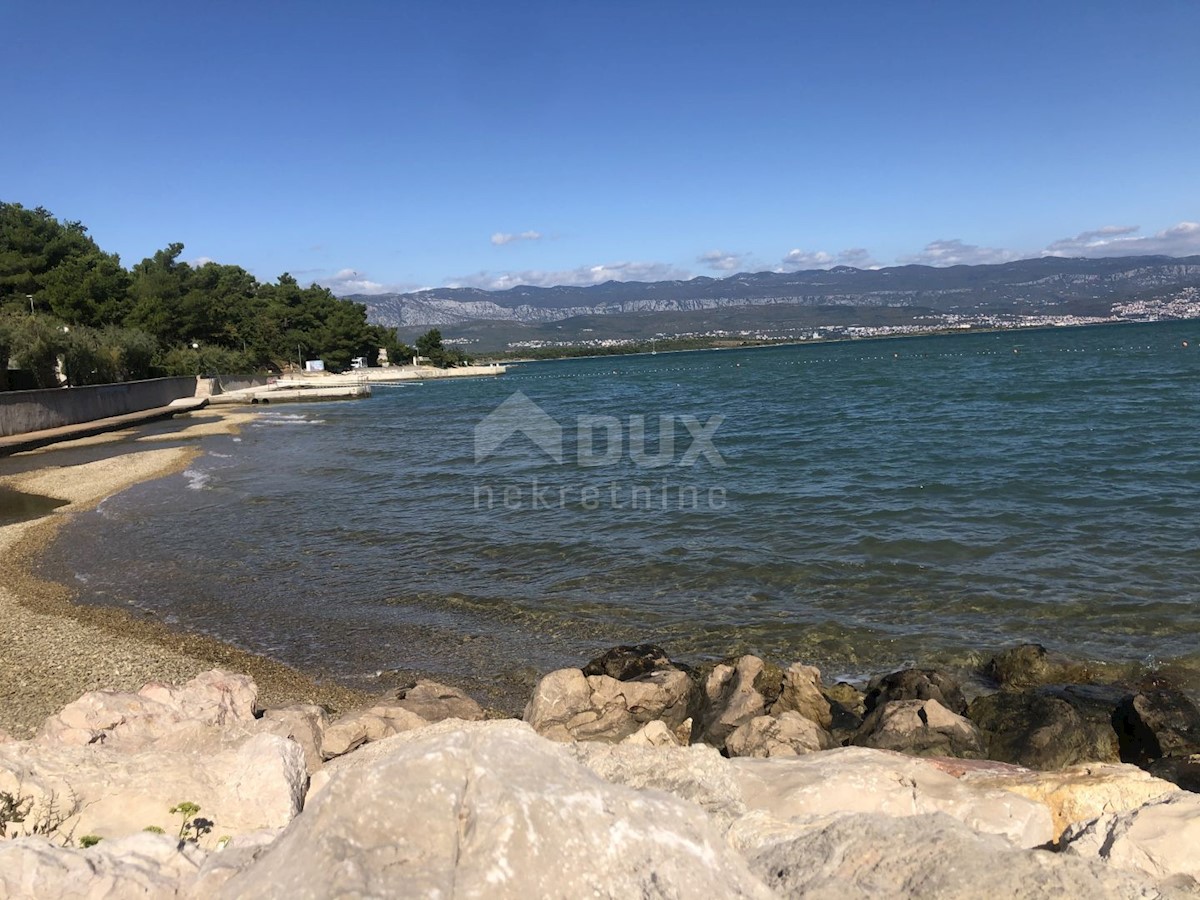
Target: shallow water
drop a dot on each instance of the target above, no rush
(17, 506)
(879, 503)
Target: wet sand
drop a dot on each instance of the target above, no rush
(51, 649)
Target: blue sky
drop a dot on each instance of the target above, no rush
(395, 145)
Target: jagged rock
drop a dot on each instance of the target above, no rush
(921, 728)
(656, 734)
(137, 721)
(1030, 729)
(788, 735)
(1155, 724)
(1079, 793)
(240, 785)
(1161, 839)
(732, 697)
(916, 684)
(859, 780)
(303, 723)
(498, 813)
(625, 663)
(140, 865)
(847, 708)
(865, 857)
(365, 725)
(1028, 665)
(1096, 704)
(850, 697)
(570, 706)
(801, 692)
(433, 702)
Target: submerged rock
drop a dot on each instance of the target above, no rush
(920, 728)
(1038, 731)
(1028, 665)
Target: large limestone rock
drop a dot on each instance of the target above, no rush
(1032, 729)
(303, 723)
(856, 779)
(734, 693)
(433, 702)
(801, 693)
(916, 684)
(1161, 839)
(1079, 793)
(868, 857)
(240, 785)
(491, 812)
(920, 727)
(788, 735)
(570, 706)
(363, 726)
(158, 711)
(140, 865)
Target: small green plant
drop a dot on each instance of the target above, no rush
(89, 840)
(154, 829)
(191, 826)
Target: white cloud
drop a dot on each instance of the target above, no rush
(720, 261)
(953, 252)
(350, 281)
(500, 238)
(1122, 240)
(580, 276)
(201, 261)
(801, 260)
(859, 257)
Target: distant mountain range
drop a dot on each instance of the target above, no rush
(1078, 285)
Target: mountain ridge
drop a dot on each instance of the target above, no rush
(1033, 284)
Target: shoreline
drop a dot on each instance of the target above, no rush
(53, 649)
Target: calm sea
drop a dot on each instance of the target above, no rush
(859, 506)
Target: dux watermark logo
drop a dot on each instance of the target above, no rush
(681, 442)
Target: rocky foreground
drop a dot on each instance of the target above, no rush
(632, 777)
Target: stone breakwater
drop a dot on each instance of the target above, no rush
(633, 776)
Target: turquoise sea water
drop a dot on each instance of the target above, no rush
(879, 503)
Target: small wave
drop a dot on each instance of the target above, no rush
(216, 455)
(268, 420)
(196, 480)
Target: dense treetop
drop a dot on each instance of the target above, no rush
(62, 295)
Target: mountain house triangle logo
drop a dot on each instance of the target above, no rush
(518, 415)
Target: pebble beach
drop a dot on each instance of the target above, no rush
(51, 649)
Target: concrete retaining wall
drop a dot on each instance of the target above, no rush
(25, 411)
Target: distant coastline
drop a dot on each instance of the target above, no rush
(649, 348)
